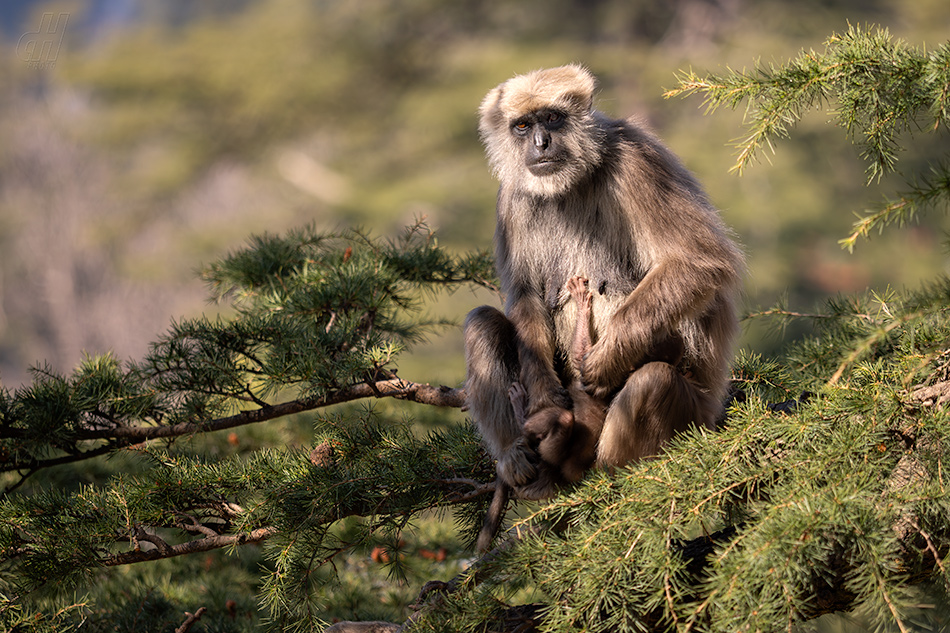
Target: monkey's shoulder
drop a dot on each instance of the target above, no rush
(624, 133)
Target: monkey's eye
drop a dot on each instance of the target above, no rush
(553, 120)
(521, 127)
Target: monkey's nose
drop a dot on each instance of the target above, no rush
(542, 139)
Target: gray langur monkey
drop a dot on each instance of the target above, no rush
(582, 194)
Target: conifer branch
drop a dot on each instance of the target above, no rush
(163, 550)
(390, 388)
(876, 87)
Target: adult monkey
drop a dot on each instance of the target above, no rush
(584, 194)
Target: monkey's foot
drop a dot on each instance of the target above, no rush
(577, 286)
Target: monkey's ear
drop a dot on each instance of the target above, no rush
(490, 114)
(580, 85)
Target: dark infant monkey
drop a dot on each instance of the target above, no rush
(567, 438)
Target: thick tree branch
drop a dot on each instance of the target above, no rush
(123, 436)
(391, 388)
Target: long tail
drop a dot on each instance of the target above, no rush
(494, 516)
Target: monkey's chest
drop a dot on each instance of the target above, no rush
(547, 252)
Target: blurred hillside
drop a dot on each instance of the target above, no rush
(162, 135)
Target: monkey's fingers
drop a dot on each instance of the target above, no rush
(577, 287)
(587, 301)
(519, 399)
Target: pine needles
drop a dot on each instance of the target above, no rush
(876, 87)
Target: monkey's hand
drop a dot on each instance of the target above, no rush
(517, 465)
(547, 395)
(604, 370)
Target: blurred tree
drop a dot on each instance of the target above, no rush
(207, 122)
(320, 319)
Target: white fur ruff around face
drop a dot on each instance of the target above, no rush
(568, 90)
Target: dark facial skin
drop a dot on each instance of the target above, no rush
(543, 149)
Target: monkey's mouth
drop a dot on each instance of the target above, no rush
(545, 166)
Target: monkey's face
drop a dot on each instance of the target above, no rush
(542, 144)
(540, 132)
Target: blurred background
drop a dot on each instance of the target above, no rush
(141, 140)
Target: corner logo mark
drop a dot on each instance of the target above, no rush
(39, 48)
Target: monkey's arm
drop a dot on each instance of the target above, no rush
(535, 330)
(673, 290)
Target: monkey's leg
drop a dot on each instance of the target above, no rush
(655, 403)
(491, 359)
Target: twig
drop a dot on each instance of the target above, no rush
(931, 548)
(477, 571)
(39, 464)
(190, 547)
(140, 534)
(191, 524)
(190, 620)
